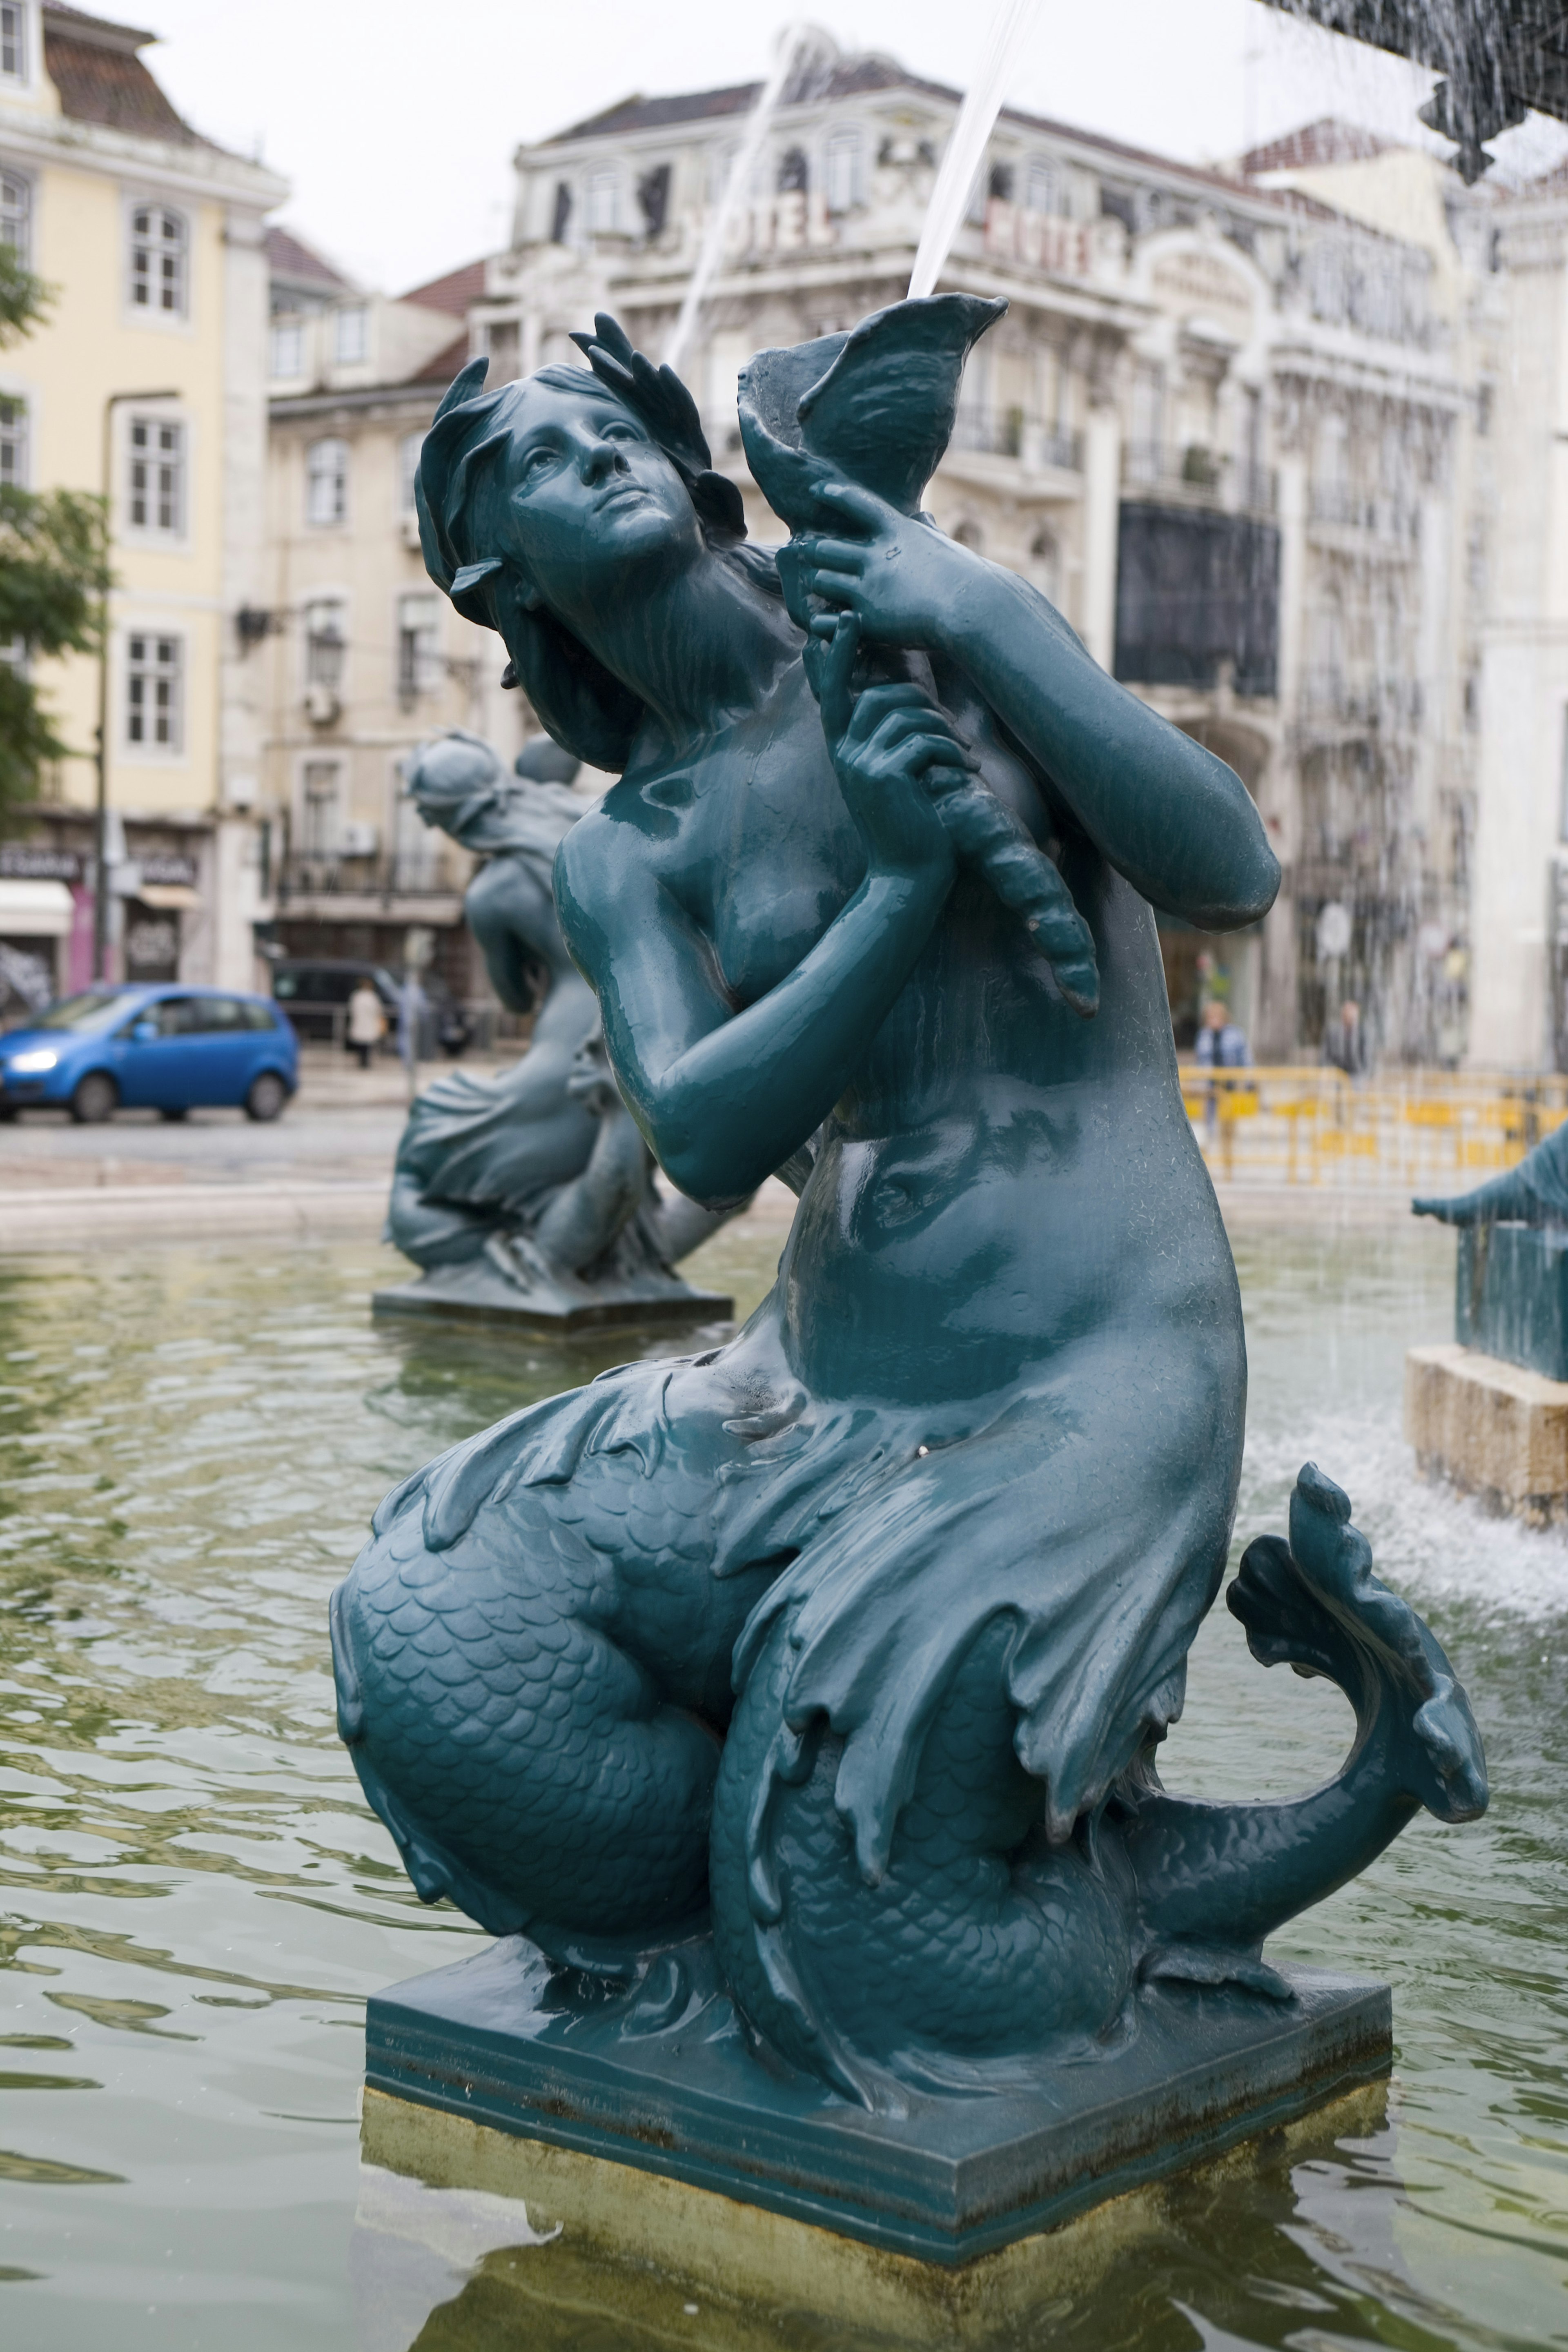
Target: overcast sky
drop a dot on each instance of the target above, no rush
(395, 123)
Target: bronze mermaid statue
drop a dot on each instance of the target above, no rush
(850, 1644)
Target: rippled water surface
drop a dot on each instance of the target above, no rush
(197, 1901)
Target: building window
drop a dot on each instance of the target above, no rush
(604, 203)
(1041, 191)
(1562, 823)
(16, 216)
(561, 212)
(318, 808)
(14, 40)
(841, 170)
(158, 258)
(326, 642)
(14, 443)
(157, 502)
(289, 348)
(327, 481)
(352, 341)
(503, 348)
(153, 680)
(418, 646)
(794, 172)
(408, 450)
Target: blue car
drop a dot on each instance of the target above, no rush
(169, 1049)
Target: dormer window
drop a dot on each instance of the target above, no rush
(158, 261)
(351, 340)
(287, 348)
(604, 203)
(1042, 189)
(841, 170)
(13, 40)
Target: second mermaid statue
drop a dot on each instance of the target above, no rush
(858, 1633)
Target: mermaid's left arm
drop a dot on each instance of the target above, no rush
(1164, 811)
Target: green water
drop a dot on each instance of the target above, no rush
(196, 1901)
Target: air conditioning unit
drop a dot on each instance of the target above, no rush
(321, 705)
(357, 839)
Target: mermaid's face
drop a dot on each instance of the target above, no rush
(588, 492)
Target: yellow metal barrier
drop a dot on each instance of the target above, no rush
(1437, 1130)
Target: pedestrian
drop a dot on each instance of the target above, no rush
(1344, 1042)
(368, 1021)
(1222, 1044)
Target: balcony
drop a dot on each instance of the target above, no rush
(1339, 506)
(1196, 477)
(1008, 433)
(1331, 699)
(337, 886)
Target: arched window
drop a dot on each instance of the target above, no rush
(1045, 565)
(159, 274)
(16, 216)
(327, 481)
(841, 170)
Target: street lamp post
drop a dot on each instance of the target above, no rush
(100, 828)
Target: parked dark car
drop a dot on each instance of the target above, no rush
(312, 989)
(168, 1048)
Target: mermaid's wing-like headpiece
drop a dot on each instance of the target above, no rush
(875, 406)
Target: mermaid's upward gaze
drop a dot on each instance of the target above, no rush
(859, 1633)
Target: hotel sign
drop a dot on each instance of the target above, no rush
(1063, 248)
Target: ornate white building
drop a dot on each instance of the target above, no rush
(1227, 425)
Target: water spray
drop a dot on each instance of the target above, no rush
(1013, 22)
(797, 43)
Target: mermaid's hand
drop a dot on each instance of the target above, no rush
(898, 575)
(892, 746)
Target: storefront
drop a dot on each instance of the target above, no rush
(36, 917)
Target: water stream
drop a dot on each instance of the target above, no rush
(196, 1901)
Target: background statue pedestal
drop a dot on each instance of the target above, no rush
(478, 1293)
(1489, 1428)
(659, 2079)
(1510, 1297)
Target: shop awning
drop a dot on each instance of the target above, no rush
(35, 910)
(168, 896)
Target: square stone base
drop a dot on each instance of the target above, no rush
(476, 1293)
(1491, 1429)
(952, 2177)
(592, 2250)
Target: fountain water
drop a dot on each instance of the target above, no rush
(950, 197)
(803, 50)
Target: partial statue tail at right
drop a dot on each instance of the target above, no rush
(1214, 1880)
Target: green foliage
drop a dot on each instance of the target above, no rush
(54, 572)
(23, 299)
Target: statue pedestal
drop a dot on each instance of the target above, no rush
(1490, 1428)
(1511, 1295)
(476, 1293)
(665, 2086)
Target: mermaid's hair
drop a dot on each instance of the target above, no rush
(459, 492)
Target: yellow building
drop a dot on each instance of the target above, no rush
(147, 380)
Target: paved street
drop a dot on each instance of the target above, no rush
(344, 1124)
